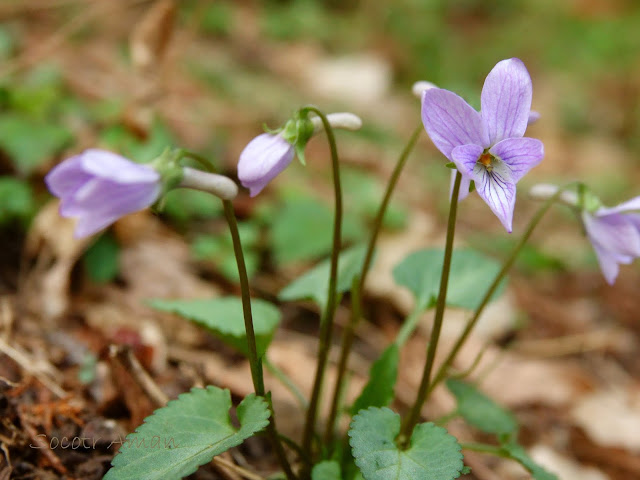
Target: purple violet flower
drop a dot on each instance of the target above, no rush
(262, 160)
(615, 235)
(98, 187)
(487, 146)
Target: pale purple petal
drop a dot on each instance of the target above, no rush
(465, 183)
(119, 200)
(628, 206)
(506, 100)
(465, 157)
(520, 154)
(614, 233)
(66, 177)
(262, 160)
(98, 187)
(533, 117)
(609, 261)
(450, 121)
(498, 191)
(108, 165)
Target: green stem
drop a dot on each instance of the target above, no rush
(326, 322)
(485, 448)
(409, 325)
(442, 371)
(414, 413)
(286, 381)
(347, 342)
(349, 333)
(254, 362)
(205, 162)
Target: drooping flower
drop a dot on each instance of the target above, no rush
(268, 154)
(487, 146)
(615, 235)
(97, 187)
(262, 160)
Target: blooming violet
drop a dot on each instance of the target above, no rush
(487, 146)
(98, 187)
(615, 235)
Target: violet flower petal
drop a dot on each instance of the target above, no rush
(109, 165)
(450, 121)
(465, 157)
(498, 190)
(533, 117)
(628, 206)
(262, 160)
(506, 100)
(120, 200)
(465, 183)
(520, 154)
(614, 233)
(609, 262)
(66, 177)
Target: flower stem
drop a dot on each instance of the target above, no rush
(349, 333)
(442, 371)
(326, 321)
(414, 413)
(254, 361)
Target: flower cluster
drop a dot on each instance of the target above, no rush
(487, 147)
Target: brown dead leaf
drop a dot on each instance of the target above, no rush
(152, 34)
(611, 418)
(51, 243)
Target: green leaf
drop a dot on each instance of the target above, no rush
(218, 249)
(519, 454)
(174, 441)
(184, 204)
(480, 411)
(101, 259)
(327, 470)
(302, 230)
(433, 454)
(30, 143)
(470, 276)
(16, 200)
(224, 318)
(378, 392)
(313, 284)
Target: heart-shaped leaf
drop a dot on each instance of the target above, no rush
(433, 454)
(378, 392)
(224, 318)
(313, 284)
(469, 277)
(480, 411)
(174, 441)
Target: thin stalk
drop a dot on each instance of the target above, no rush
(326, 322)
(349, 333)
(409, 325)
(414, 413)
(442, 371)
(287, 382)
(485, 448)
(347, 341)
(254, 362)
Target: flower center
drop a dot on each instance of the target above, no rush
(486, 159)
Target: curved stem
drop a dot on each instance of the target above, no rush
(349, 333)
(326, 322)
(414, 414)
(205, 162)
(442, 371)
(254, 361)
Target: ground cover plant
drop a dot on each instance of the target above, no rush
(327, 331)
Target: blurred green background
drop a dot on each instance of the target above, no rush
(70, 78)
